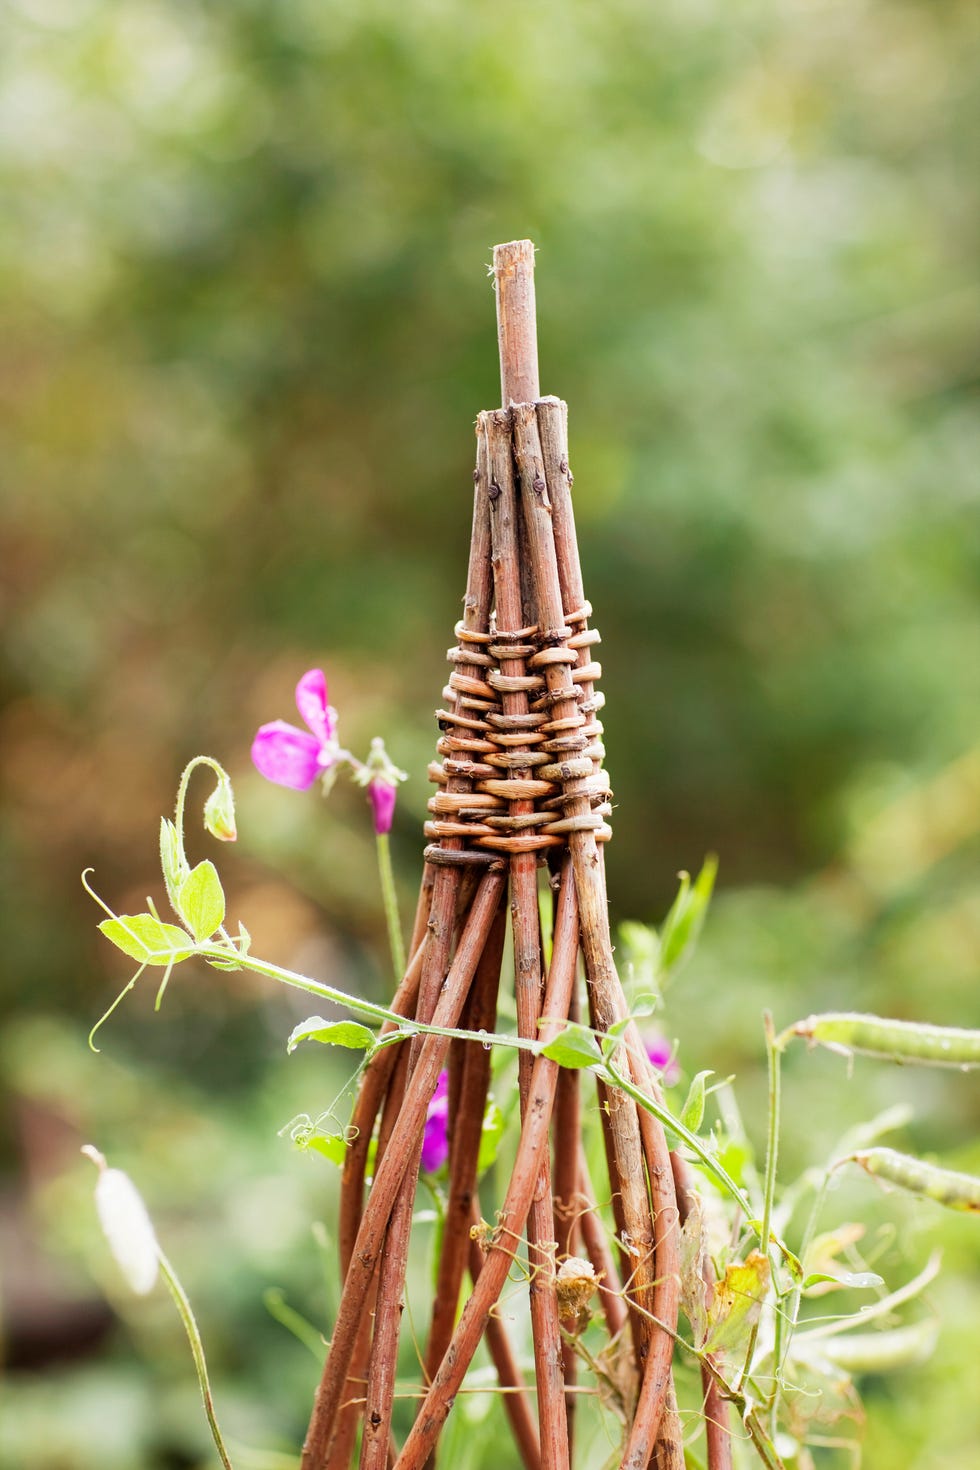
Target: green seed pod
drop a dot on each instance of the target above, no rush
(897, 1041)
(945, 1186)
(882, 1352)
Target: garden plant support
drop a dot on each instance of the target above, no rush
(520, 787)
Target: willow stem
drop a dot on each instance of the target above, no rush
(389, 898)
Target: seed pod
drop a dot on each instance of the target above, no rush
(575, 1285)
(945, 1186)
(897, 1041)
(882, 1352)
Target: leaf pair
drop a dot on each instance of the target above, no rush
(195, 894)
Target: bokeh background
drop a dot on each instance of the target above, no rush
(246, 328)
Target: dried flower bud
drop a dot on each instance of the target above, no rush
(126, 1225)
(485, 1235)
(575, 1285)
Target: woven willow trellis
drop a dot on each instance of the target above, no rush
(519, 786)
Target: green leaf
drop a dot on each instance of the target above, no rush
(640, 961)
(172, 863)
(439, 1233)
(332, 1146)
(612, 1038)
(683, 923)
(856, 1280)
(201, 901)
(277, 1306)
(147, 939)
(692, 1114)
(736, 1303)
(490, 1136)
(574, 1047)
(734, 1154)
(332, 1033)
(790, 1259)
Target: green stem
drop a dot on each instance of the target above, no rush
(197, 1349)
(673, 1125)
(390, 900)
(731, 1392)
(787, 1320)
(361, 1007)
(769, 1183)
(188, 771)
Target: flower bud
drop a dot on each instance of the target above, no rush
(382, 796)
(660, 1052)
(126, 1225)
(219, 811)
(381, 777)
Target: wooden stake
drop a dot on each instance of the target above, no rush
(512, 617)
(465, 1146)
(517, 326)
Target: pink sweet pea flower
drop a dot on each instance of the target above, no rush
(661, 1053)
(435, 1140)
(381, 778)
(290, 756)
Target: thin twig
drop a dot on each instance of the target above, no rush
(517, 328)
(467, 1129)
(509, 1375)
(717, 1429)
(513, 616)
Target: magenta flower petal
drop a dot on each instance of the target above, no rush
(311, 701)
(287, 755)
(661, 1053)
(435, 1140)
(382, 796)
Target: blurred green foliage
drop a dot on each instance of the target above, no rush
(245, 330)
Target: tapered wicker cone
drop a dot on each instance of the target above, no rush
(519, 788)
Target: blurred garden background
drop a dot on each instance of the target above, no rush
(246, 329)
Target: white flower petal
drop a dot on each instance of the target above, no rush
(128, 1229)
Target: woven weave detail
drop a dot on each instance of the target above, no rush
(526, 760)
